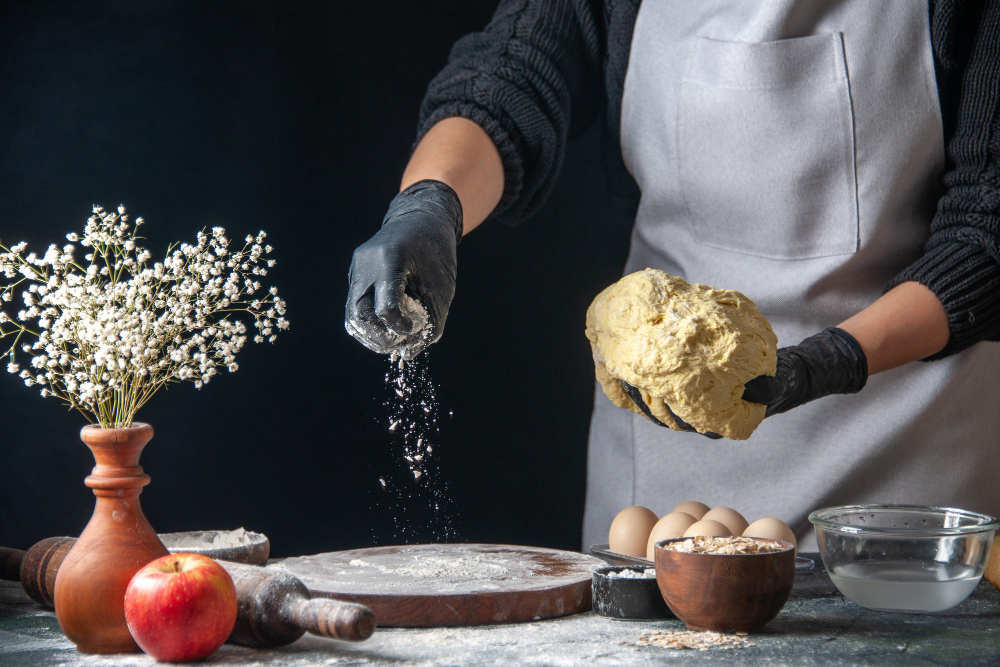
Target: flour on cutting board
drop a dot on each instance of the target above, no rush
(440, 568)
(487, 572)
(480, 567)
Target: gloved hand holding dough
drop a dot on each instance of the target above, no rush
(689, 345)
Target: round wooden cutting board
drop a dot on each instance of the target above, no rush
(452, 584)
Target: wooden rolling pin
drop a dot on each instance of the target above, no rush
(273, 607)
(36, 568)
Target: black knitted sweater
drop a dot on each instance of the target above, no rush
(543, 70)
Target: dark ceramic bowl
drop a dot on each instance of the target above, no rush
(627, 599)
(725, 593)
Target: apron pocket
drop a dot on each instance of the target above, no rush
(766, 147)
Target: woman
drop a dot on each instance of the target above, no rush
(791, 150)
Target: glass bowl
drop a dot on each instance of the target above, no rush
(904, 558)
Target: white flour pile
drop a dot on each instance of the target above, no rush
(647, 573)
(208, 539)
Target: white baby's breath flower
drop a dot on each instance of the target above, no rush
(108, 336)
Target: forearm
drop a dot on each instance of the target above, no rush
(906, 324)
(458, 152)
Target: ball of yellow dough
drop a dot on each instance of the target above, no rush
(630, 531)
(669, 526)
(692, 507)
(729, 518)
(772, 529)
(708, 528)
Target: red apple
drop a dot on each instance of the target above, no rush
(181, 607)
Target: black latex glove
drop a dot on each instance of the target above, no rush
(640, 403)
(413, 257)
(831, 362)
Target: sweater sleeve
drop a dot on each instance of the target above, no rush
(532, 75)
(961, 260)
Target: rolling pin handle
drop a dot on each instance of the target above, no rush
(36, 568)
(10, 563)
(345, 621)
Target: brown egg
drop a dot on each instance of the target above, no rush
(692, 507)
(729, 518)
(708, 529)
(771, 529)
(670, 526)
(630, 531)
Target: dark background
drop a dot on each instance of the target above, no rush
(297, 118)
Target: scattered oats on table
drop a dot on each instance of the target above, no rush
(694, 640)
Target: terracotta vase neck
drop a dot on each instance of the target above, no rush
(117, 452)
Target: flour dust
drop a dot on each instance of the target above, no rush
(416, 492)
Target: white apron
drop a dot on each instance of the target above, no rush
(792, 150)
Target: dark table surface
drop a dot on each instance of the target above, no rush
(818, 626)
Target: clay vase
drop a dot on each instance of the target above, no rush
(118, 541)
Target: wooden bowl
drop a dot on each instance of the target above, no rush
(254, 550)
(725, 593)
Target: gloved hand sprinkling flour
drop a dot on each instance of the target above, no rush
(402, 280)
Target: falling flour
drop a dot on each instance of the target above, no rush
(413, 423)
